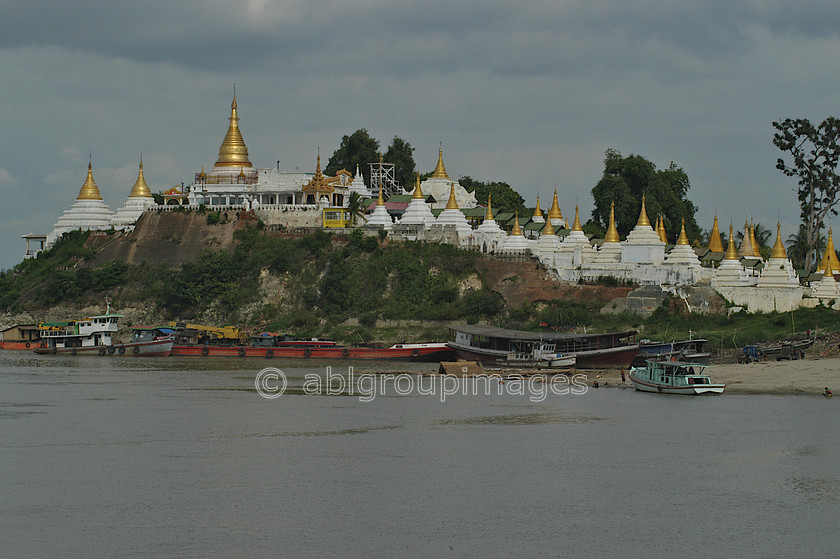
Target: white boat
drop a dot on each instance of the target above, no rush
(94, 336)
(673, 377)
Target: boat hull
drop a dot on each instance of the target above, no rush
(690, 390)
(607, 358)
(407, 352)
(152, 348)
(22, 346)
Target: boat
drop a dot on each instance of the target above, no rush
(691, 350)
(319, 349)
(20, 337)
(674, 377)
(94, 336)
(504, 347)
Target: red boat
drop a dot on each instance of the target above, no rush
(321, 349)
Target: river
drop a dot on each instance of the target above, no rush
(182, 457)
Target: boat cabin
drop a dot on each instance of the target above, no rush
(91, 332)
(676, 373)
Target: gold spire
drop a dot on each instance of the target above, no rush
(778, 248)
(537, 210)
(548, 229)
(418, 192)
(683, 238)
(830, 257)
(319, 182)
(612, 232)
(452, 204)
(715, 245)
(663, 236)
(380, 201)
(643, 218)
(440, 170)
(233, 151)
(746, 242)
(516, 232)
(554, 212)
(731, 253)
(89, 190)
(488, 215)
(140, 188)
(753, 241)
(576, 225)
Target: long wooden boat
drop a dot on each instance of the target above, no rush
(684, 350)
(674, 377)
(500, 346)
(323, 349)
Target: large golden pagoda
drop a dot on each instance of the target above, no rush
(554, 212)
(89, 190)
(440, 170)
(233, 151)
(140, 188)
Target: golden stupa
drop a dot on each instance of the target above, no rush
(89, 190)
(452, 204)
(612, 232)
(233, 152)
(517, 231)
(537, 210)
(576, 225)
(683, 238)
(140, 188)
(440, 170)
(418, 192)
(715, 244)
(830, 256)
(554, 212)
(731, 251)
(778, 247)
(488, 215)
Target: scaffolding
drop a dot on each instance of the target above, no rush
(383, 174)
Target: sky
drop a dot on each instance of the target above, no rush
(531, 93)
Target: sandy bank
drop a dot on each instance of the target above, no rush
(807, 376)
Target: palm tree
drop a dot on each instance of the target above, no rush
(797, 248)
(356, 208)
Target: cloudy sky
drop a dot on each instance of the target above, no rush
(529, 92)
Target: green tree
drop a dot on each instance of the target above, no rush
(624, 182)
(401, 154)
(813, 153)
(504, 196)
(797, 247)
(356, 208)
(359, 148)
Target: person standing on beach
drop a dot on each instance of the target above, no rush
(623, 379)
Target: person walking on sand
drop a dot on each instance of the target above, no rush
(623, 379)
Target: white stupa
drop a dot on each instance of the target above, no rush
(358, 185)
(611, 248)
(139, 200)
(778, 271)
(682, 254)
(556, 216)
(746, 249)
(438, 184)
(538, 216)
(643, 244)
(380, 218)
(730, 273)
(418, 211)
(515, 243)
(489, 236)
(88, 212)
(826, 288)
(548, 243)
(576, 247)
(453, 216)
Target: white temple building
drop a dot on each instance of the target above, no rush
(88, 212)
(516, 243)
(139, 200)
(453, 217)
(575, 250)
(418, 211)
(489, 235)
(380, 218)
(439, 184)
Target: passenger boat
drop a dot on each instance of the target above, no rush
(94, 336)
(503, 347)
(321, 349)
(674, 377)
(21, 337)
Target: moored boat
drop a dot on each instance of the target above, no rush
(94, 336)
(321, 349)
(674, 377)
(500, 346)
(684, 350)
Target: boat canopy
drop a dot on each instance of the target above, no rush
(495, 332)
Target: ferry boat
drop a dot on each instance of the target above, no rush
(674, 377)
(503, 347)
(94, 336)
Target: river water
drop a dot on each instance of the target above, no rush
(180, 457)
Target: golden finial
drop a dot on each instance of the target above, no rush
(663, 236)
(233, 152)
(488, 215)
(89, 190)
(830, 256)
(715, 245)
(380, 201)
(731, 253)
(452, 204)
(683, 238)
(418, 192)
(140, 188)
(612, 232)
(576, 226)
(202, 174)
(548, 229)
(643, 218)
(516, 232)
(537, 210)
(753, 240)
(778, 248)
(440, 170)
(746, 243)
(554, 212)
